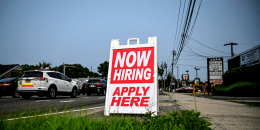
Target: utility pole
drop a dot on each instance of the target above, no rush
(165, 66)
(173, 53)
(232, 54)
(178, 77)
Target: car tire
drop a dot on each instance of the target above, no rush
(16, 94)
(89, 94)
(74, 93)
(52, 93)
(104, 92)
(26, 96)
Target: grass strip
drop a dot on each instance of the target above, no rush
(68, 121)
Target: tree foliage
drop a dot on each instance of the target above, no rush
(103, 68)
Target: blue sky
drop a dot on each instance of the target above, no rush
(81, 31)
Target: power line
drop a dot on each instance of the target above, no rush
(177, 24)
(208, 47)
(197, 49)
(185, 29)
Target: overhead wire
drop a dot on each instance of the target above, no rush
(177, 25)
(207, 46)
(185, 30)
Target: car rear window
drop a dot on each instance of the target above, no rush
(7, 80)
(33, 74)
(93, 81)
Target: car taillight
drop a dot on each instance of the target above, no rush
(5, 84)
(20, 81)
(41, 78)
(86, 84)
(98, 84)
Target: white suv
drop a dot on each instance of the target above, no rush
(46, 83)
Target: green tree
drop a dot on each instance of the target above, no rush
(44, 64)
(103, 69)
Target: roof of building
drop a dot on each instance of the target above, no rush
(6, 68)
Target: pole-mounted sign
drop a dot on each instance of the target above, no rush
(215, 70)
(185, 77)
(132, 78)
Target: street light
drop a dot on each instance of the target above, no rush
(64, 66)
(196, 71)
(187, 71)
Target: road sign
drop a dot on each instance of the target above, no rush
(132, 78)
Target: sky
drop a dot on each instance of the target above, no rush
(80, 32)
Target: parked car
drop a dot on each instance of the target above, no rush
(98, 86)
(187, 90)
(8, 87)
(178, 89)
(46, 83)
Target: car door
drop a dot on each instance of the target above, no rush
(67, 84)
(59, 82)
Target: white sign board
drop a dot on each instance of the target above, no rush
(197, 81)
(183, 83)
(250, 58)
(185, 77)
(215, 70)
(132, 78)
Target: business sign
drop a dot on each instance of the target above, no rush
(185, 77)
(132, 78)
(215, 70)
(183, 83)
(197, 81)
(250, 58)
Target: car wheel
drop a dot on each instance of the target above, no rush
(74, 93)
(104, 92)
(89, 94)
(16, 94)
(26, 96)
(52, 93)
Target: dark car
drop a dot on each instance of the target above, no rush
(97, 86)
(8, 87)
(187, 90)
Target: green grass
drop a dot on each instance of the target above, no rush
(68, 121)
(252, 104)
(236, 85)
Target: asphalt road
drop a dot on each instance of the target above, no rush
(9, 104)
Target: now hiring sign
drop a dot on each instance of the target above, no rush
(132, 78)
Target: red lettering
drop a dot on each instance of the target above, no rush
(124, 101)
(145, 90)
(117, 91)
(131, 89)
(143, 100)
(137, 92)
(124, 90)
(116, 101)
(135, 101)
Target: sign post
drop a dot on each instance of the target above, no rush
(132, 78)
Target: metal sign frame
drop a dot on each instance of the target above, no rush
(152, 104)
